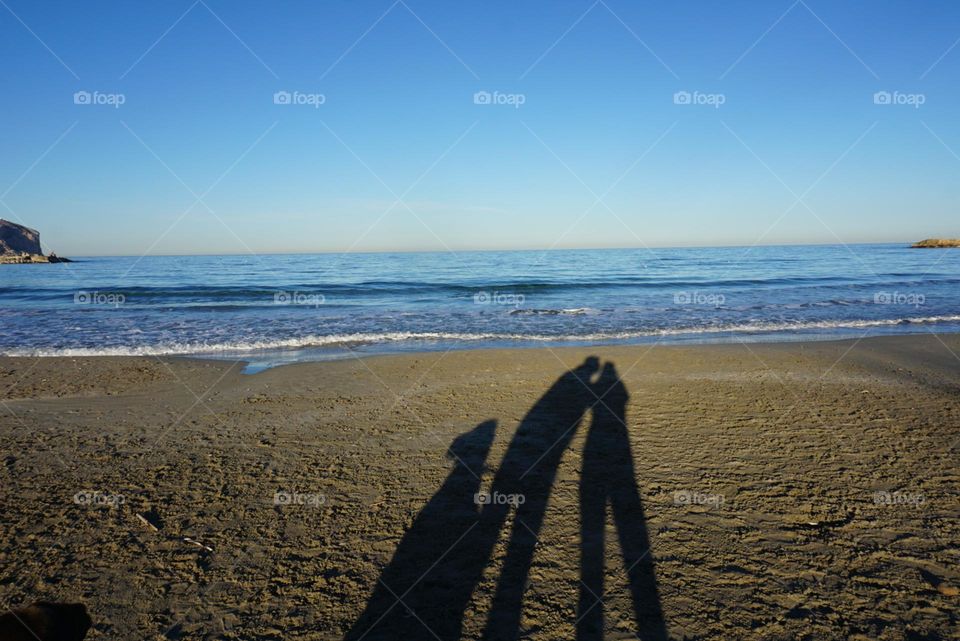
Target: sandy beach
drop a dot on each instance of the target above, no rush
(760, 491)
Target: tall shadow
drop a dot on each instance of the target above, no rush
(528, 470)
(425, 589)
(608, 478)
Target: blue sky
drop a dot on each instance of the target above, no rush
(599, 153)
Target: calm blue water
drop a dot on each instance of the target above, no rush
(273, 309)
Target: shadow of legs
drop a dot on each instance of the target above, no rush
(609, 477)
(529, 469)
(425, 589)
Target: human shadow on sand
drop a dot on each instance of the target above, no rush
(427, 586)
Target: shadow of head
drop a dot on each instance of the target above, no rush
(609, 383)
(589, 366)
(471, 448)
(585, 371)
(45, 621)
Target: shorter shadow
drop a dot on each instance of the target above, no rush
(425, 589)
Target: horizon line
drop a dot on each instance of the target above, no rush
(489, 250)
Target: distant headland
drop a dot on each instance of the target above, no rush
(19, 244)
(936, 243)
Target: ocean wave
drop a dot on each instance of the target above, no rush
(576, 311)
(356, 339)
(265, 292)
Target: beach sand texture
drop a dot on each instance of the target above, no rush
(787, 491)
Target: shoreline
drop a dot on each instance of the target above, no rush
(260, 360)
(902, 356)
(783, 486)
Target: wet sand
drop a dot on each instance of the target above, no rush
(786, 491)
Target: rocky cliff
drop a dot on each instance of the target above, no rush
(19, 244)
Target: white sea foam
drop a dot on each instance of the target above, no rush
(345, 340)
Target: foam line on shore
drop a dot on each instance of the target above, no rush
(315, 341)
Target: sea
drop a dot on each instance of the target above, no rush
(275, 309)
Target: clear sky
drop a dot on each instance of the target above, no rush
(200, 158)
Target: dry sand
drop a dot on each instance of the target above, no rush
(789, 491)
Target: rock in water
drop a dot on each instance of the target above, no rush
(19, 244)
(935, 243)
